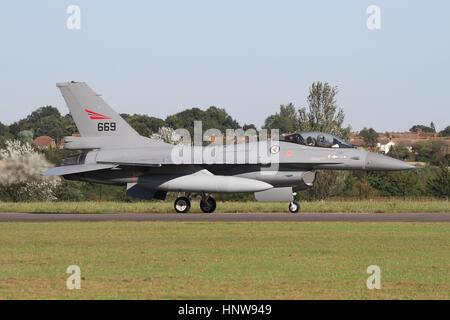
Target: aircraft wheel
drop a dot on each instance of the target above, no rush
(182, 205)
(294, 207)
(208, 205)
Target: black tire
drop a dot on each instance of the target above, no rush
(182, 205)
(208, 206)
(294, 207)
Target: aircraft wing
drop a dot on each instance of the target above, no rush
(79, 168)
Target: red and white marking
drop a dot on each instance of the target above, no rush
(96, 116)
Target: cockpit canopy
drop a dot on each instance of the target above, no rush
(316, 139)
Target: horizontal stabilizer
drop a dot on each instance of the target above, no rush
(79, 168)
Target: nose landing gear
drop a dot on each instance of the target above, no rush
(294, 207)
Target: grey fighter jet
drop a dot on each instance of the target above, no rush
(110, 151)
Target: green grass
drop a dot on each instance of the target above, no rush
(317, 206)
(162, 260)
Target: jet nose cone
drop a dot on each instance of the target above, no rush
(375, 161)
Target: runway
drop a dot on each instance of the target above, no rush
(227, 217)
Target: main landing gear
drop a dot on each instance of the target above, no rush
(183, 204)
(208, 205)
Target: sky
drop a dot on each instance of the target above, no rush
(247, 56)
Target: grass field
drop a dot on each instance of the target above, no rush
(161, 260)
(317, 206)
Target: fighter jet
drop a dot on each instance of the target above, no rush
(111, 152)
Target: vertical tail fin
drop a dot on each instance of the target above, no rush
(92, 115)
